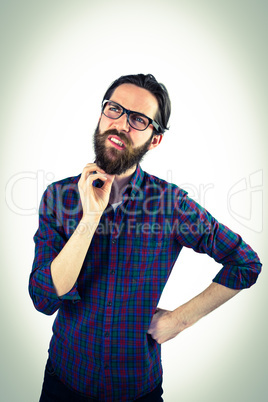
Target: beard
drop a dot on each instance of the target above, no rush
(114, 161)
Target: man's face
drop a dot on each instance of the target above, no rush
(113, 157)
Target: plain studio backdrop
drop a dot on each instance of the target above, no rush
(57, 59)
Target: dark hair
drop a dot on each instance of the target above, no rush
(148, 82)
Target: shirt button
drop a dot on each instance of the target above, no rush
(114, 241)
(112, 271)
(106, 366)
(109, 303)
(106, 334)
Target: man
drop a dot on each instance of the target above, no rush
(106, 244)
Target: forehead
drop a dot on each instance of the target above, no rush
(135, 98)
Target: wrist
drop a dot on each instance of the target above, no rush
(91, 218)
(183, 318)
(88, 224)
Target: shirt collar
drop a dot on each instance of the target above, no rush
(134, 183)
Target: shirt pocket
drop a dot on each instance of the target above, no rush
(143, 269)
(146, 252)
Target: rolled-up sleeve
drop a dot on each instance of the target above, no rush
(49, 241)
(199, 230)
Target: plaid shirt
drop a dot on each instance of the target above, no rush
(100, 346)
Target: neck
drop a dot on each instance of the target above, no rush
(119, 185)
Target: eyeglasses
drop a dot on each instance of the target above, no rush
(136, 120)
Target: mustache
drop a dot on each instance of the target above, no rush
(119, 134)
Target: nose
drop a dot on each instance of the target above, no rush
(121, 124)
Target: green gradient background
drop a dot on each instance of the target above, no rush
(54, 51)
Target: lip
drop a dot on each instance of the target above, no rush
(116, 145)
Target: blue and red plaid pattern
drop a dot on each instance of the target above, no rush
(100, 346)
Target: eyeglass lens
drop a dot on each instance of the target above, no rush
(136, 120)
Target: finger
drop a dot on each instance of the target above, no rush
(95, 176)
(90, 172)
(110, 178)
(108, 183)
(93, 171)
(97, 167)
(89, 165)
(91, 168)
(86, 182)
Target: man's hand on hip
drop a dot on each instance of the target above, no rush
(164, 326)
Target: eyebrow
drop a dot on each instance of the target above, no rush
(133, 111)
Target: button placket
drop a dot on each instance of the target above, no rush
(110, 293)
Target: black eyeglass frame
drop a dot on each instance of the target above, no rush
(128, 112)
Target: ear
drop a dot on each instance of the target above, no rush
(156, 141)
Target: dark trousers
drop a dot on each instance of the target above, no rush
(55, 391)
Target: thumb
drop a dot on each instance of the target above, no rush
(108, 183)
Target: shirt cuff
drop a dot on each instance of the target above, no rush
(237, 277)
(43, 286)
